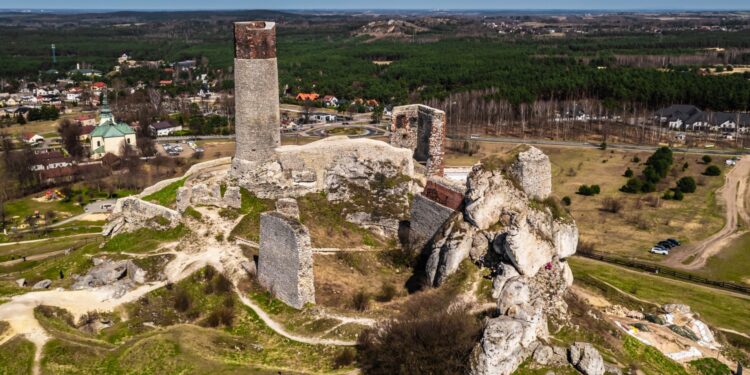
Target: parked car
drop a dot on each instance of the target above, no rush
(666, 244)
(659, 250)
(675, 242)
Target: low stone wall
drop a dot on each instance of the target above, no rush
(322, 166)
(195, 169)
(427, 217)
(285, 262)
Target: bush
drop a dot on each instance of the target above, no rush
(387, 292)
(686, 185)
(678, 195)
(361, 301)
(712, 170)
(634, 185)
(612, 205)
(182, 300)
(345, 358)
(628, 173)
(685, 166)
(566, 200)
(667, 195)
(706, 159)
(425, 338)
(636, 159)
(587, 190)
(222, 284)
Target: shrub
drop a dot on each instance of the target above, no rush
(345, 358)
(587, 190)
(425, 338)
(603, 146)
(667, 195)
(612, 205)
(685, 166)
(566, 200)
(222, 284)
(678, 195)
(706, 159)
(686, 185)
(628, 173)
(361, 301)
(712, 170)
(636, 159)
(182, 300)
(634, 185)
(387, 292)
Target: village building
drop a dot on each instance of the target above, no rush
(110, 136)
(164, 128)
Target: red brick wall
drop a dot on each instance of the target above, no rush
(443, 195)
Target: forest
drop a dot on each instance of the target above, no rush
(327, 59)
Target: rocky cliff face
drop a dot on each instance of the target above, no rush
(509, 225)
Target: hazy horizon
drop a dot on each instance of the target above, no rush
(384, 5)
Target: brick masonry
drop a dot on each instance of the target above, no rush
(285, 259)
(443, 194)
(421, 129)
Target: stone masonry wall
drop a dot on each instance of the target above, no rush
(421, 129)
(427, 217)
(285, 262)
(256, 91)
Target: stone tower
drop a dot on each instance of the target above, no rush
(256, 80)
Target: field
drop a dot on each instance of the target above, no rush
(718, 308)
(645, 218)
(732, 263)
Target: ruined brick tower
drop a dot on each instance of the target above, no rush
(256, 80)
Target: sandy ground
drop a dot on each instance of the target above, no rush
(732, 195)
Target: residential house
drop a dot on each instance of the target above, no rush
(32, 139)
(50, 160)
(330, 101)
(86, 120)
(164, 128)
(86, 131)
(303, 97)
(675, 116)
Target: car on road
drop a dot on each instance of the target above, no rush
(659, 250)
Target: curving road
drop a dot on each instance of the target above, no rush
(733, 195)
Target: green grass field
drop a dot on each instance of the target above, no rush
(716, 307)
(731, 263)
(167, 196)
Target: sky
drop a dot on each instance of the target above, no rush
(380, 4)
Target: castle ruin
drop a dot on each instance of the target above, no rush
(256, 91)
(421, 129)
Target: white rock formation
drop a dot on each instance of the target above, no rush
(585, 358)
(233, 197)
(533, 172)
(131, 213)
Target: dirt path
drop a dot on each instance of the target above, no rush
(732, 195)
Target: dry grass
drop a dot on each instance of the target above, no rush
(636, 226)
(339, 277)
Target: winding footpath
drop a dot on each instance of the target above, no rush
(733, 195)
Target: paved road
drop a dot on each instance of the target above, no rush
(617, 146)
(100, 207)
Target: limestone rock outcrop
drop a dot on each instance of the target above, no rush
(585, 358)
(533, 172)
(507, 223)
(131, 213)
(108, 272)
(233, 197)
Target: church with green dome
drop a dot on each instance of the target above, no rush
(110, 135)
